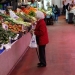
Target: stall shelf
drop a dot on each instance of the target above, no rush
(9, 58)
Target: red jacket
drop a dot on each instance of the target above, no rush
(41, 32)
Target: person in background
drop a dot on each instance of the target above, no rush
(33, 3)
(71, 6)
(64, 9)
(53, 8)
(68, 6)
(67, 11)
(56, 12)
(53, 11)
(41, 37)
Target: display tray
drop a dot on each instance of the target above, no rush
(2, 50)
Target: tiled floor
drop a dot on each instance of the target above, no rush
(60, 53)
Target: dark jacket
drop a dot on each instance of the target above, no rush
(41, 33)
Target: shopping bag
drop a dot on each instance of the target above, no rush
(33, 43)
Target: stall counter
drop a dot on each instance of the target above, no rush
(9, 58)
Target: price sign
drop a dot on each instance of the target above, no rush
(4, 26)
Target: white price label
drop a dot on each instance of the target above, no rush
(4, 26)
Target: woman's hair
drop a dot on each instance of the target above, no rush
(40, 15)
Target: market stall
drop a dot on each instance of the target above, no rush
(14, 38)
(9, 58)
(14, 35)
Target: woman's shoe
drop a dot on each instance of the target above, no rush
(41, 65)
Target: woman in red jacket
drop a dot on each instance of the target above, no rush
(41, 38)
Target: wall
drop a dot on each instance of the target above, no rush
(47, 2)
(57, 2)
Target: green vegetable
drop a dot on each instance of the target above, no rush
(32, 13)
(4, 35)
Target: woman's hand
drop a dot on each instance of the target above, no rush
(32, 31)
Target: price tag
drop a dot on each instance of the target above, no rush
(13, 15)
(4, 26)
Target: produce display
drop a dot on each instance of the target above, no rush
(6, 30)
(16, 28)
(29, 9)
(47, 12)
(5, 34)
(4, 38)
(14, 25)
(26, 17)
(10, 26)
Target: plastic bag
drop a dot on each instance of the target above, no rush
(33, 43)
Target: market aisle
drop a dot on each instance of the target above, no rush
(60, 53)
